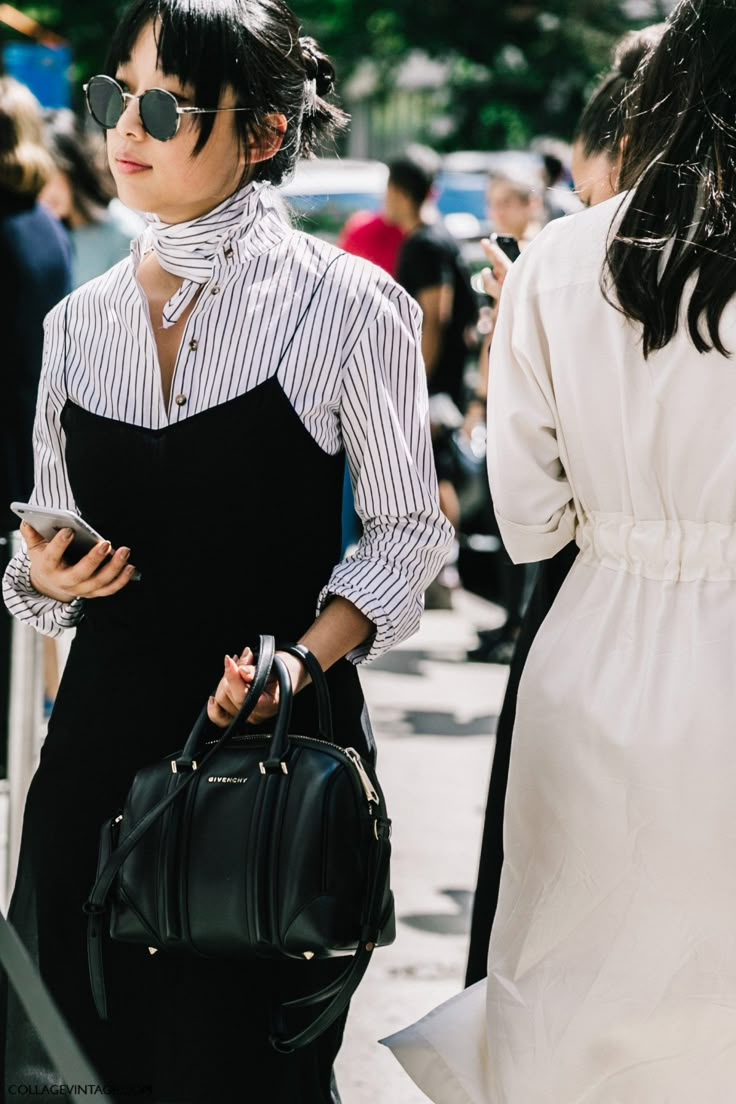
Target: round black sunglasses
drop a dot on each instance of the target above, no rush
(159, 111)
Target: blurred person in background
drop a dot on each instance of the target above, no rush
(515, 210)
(432, 270)
(596, 166)
(370, 235)
(514, 206)
(558, 198)
(81, 193)
(35, 260)
(596, 160)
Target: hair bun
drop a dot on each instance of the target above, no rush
(317, 67)
(634, 48)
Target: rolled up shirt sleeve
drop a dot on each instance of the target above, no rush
(51, 489)
(385, 428)
(532, 496)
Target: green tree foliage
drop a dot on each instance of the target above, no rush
(519, 69)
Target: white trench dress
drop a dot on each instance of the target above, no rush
(612, 963)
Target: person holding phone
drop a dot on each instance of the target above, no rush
(612, 959)
(196, 406)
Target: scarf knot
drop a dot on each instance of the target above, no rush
(190, 249)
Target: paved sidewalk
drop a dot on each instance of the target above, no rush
(434, 716)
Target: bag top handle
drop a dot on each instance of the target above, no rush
(279, 743)
(317, 675)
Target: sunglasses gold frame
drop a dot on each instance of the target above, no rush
(126, 96)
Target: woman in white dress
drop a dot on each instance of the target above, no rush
(612, 962)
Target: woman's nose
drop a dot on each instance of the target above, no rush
(130, 120)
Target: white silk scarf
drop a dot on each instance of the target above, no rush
(190, 249)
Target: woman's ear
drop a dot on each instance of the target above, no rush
(269, 139)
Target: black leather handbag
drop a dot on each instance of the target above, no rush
(274, 846)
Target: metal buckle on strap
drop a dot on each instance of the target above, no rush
(174, 769)
(282, 764)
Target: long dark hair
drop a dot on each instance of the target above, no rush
(679, 163)
(600, 128)
(252, 46)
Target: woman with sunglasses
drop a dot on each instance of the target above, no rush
(612, 959)
(196, 407)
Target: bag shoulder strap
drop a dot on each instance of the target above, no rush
(342, 990)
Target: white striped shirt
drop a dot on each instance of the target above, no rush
(353, 373)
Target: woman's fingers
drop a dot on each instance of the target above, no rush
(97, 574)
(266, 708)
(491, 284)
(233, 689)
(33, 538)
(500, 263)
(120, 581)
(217, 714)
(230, 693)
(98, 569)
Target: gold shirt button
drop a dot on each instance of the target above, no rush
(194, 344)
(180, 400)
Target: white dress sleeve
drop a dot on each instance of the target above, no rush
(385, 429)
(52, 489)
(532, 497)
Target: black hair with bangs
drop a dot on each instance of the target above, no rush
(252, 46)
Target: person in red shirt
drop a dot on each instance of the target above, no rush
(369, 235)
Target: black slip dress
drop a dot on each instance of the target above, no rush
(233, 518)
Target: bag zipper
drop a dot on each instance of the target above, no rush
(349, 753)
(356, 763)
(370, 790)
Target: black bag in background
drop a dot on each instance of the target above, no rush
(252, 845)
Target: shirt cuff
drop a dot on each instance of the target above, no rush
(395, 611)
(532, 543)
(48, 615)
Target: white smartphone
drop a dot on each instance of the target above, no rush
(48, 521)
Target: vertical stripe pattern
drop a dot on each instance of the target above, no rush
(352, 371)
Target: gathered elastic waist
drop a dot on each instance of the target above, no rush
(673, 550)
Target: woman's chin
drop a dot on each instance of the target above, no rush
(135, 192)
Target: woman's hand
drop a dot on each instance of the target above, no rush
(90, 577)
(233, 688)
(496, 273)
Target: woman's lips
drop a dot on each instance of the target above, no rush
(126, 166)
